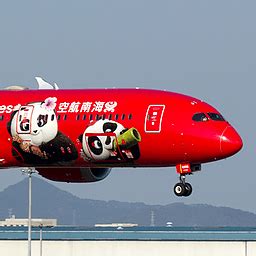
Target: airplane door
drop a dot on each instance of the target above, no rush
(153, 120)
(23, 125)
(2, 144)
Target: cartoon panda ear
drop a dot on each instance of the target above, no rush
(109, 126)
(80, 137)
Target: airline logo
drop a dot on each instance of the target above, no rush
(86, 107)
(69, 107)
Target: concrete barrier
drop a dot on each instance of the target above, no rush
(130, 248)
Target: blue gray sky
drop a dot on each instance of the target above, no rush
(202, 48)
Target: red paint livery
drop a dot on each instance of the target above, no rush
(77, 135)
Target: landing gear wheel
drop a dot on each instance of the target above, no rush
(180, 189)
(188, 188)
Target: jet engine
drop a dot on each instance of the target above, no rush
(75, 175)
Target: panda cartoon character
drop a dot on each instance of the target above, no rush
(35, 135)
(104, 140)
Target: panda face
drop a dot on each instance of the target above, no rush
(99, 147)
(35, 124)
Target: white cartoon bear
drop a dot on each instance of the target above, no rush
(35, 136)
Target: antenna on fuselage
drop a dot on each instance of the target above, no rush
(43, 85)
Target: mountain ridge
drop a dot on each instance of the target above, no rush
(52, 202)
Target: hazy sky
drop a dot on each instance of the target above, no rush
(201, 48)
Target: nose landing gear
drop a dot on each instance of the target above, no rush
(182, 188)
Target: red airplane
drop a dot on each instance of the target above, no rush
(79, 135)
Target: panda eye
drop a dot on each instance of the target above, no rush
(97, 144)
(42, 120)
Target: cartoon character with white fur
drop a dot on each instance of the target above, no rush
(108, 140)
(35, 135)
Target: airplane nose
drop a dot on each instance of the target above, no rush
(230, 142)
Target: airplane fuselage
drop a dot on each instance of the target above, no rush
(164, 121)
(100, 128)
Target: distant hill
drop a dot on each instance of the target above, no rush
(51, 202)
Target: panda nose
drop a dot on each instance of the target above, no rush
(35, 131)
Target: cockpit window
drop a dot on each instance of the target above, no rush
(200, 117)
(216, 117)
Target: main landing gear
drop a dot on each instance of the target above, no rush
(182, 188)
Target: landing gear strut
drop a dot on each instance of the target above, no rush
(183, 188)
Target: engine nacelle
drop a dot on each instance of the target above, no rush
(66, 174)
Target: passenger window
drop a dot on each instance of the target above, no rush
(84, 117)
(58, 117)
(200, 117)
(216, 117)
(130, 116)
(78, 117)
(101, 117)
(97, 117)
(116, 117)
(91, 117)
(110, 117)
(1, 118)
(123, 116)
(65, 117)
